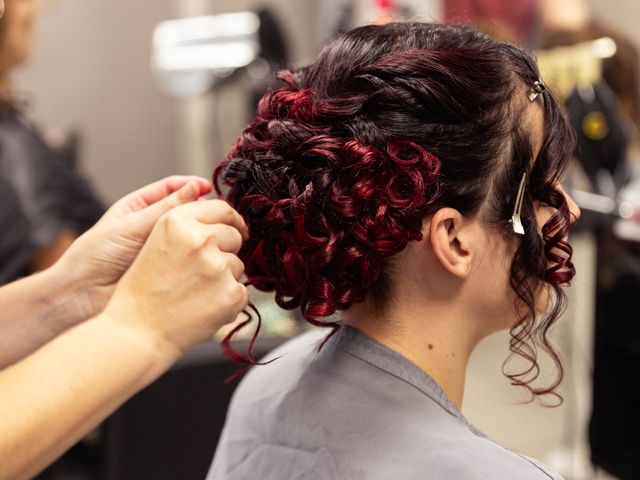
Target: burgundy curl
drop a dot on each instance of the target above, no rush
(321, 245)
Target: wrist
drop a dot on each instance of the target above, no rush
(66, 300)
(36, 309)
(131, 323)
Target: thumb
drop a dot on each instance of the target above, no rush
(147, 217)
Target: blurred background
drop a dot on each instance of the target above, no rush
(98, 98)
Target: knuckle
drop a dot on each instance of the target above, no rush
(180, 229)
(238, 295)
(220, 204)
(237, 240)
(225, 211)
(172, 219)
(230, 214)
(239, 264)
(215, 264)
(191, 239)
(227, 236)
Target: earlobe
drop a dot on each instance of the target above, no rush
(447, 242)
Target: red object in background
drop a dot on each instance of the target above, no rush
(382, 11)
(520, 16)
(385, 4)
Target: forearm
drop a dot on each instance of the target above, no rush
(36, 309)
(55, 396)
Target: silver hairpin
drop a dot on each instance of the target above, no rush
(537, 88)
(516, 220)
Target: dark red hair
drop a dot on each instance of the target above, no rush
(340, 166)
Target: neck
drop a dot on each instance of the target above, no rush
(436, 338)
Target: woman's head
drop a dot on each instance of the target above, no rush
(16, 33)
(345, 165)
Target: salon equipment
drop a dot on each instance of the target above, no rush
(193, 55)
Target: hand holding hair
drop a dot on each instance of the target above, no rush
(182, 286)
(38, 308)
(97, 260)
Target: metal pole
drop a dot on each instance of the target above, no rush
(196, 115)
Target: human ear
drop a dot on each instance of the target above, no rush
(449, 242)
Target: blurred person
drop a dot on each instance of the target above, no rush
(165, 267)
(56, 204)
(569, 22)
(409, 180)
(606, 116)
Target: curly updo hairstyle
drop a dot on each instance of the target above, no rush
(340, 166)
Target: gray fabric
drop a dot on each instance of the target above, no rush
(14, 228)
(356, 410)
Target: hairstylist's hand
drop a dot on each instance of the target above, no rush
(184, 285)
(96, 261)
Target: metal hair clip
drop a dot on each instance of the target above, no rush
(516, 220)
(537, 88)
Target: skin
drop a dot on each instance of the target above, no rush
(17, 43)
(167, 270)
(568, 15)
(453, 292)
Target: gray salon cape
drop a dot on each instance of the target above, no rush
(356, 410)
